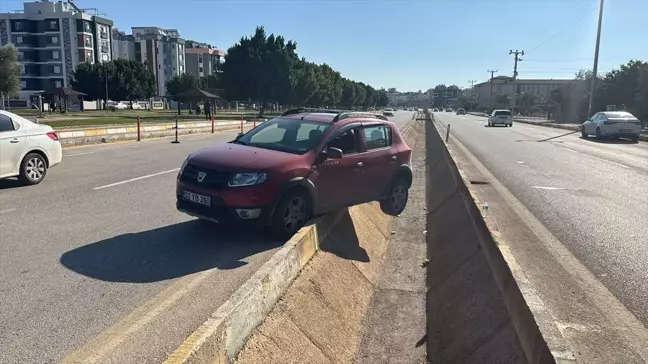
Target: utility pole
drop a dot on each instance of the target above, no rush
(472, 93)
(596, 55)
(490, 98)
(106, 74)
(515, 74)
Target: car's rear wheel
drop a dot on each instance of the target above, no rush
(291, 214)
(396, 200)
(32, 169)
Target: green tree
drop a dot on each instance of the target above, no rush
(9, 72)
(370, 98)
(642, 94)
(348, 94)
(179, 84)
(126, 80)
(382, 99)
(304, 83)
(360, 94)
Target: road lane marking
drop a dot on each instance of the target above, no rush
(78, 154)
(6, 211)
(550, 188)
(136, 179)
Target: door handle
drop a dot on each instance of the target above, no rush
(359, 164)
(14, 141)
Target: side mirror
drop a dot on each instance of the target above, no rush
(334, 153)
(238, 136)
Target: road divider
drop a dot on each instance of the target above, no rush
(106, 134)
(224, 334)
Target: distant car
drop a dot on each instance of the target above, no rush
(435, 110)
(388, 112)
(112, 105)
(135, 106)
(302, 164)
(461, 112)
(500, 116)
(449, 109)
(616, 124)
(27, 149)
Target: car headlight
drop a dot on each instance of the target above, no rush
(247, 179)
(184, 165)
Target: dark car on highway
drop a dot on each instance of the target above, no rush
(302, 164)
(461, 112)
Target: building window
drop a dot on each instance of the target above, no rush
(18, 26)
(19, 40)
(21, 55)
(200, 69)
(57, 84)
(54, 40)
(105, 58)
(53, 24)
(23, 84)
(55, 55)
(57, 69)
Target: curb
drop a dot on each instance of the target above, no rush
(224, 334)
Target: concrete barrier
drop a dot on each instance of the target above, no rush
(476, 312)
(106, 134)
(224, 334)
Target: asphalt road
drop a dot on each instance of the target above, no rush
(97, 264)
(590, 194)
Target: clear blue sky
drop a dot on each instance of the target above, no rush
(410, 45)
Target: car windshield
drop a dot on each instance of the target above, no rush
(286, 135)
(502, 113)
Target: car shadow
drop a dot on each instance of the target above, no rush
(168, 252)
(9, 183)
(610, 140)
(343, 241)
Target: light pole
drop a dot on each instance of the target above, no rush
(596, 55)
(472, 92)
(106, 76)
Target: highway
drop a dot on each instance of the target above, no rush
(591, 195)
(98, 266)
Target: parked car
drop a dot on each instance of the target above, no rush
(461, 111)
(135, 106)
(388, 112)
(500, 116)
(112, 105)
(302, 164)
(449, 109)
(27, 149)
(616, 124)
(435, 110)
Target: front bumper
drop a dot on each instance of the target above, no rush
(225, 214)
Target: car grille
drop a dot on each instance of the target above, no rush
(213, 179)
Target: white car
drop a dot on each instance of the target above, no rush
(136, 106)
(116, 105)
(388, 112)
(27, 149)
(500, 116)
(612, 124)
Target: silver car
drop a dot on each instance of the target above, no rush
(616, 124)
(500, 116)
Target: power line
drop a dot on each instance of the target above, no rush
(559, 19)
(583, 15)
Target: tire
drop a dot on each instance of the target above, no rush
(599, 136)
(396, 200)
(33, 169)
(635, 138)
(583, 133)
(290, 208)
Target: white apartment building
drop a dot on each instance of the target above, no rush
(503, 85)
(123, 45)
(52, 39)
(162, 50)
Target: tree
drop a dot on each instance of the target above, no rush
(9, 72)
(360, 94)
(348, 94)
(126, 80)
(179, 84)
(642, 95)
(382, 98)
(501, 101)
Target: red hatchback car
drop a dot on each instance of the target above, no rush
(302, 164)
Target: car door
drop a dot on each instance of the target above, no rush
(340, 182)
(380, 159)
(12, 145)
(589, 123)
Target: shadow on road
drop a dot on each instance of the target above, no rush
(343, 241)
(166, 253)
(7, 184)
(610, 141)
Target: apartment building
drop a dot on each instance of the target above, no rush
(52, 39)
(203, 59)
(123, 45)
(503, 85)
(162, 51)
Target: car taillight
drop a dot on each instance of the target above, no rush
(52, 135)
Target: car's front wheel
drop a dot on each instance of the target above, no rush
(584, 133)
(32, 169)
(396, 200)
(291, 214)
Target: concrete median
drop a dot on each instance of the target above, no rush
(476, 311)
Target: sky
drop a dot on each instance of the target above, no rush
(410, 45)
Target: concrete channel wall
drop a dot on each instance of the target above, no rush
(476, 312)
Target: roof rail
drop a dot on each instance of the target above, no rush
(300, 110)
(351, 114)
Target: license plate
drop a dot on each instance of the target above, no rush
(625, 130)
(196, 198)
(503, 117)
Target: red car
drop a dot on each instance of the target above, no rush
(302, 164)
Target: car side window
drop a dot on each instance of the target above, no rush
(347, 141)
(377, 137)
(6, 124)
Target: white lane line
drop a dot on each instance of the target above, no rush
(549, 188)
(78, 154)
(136, 179)
(6, 211)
